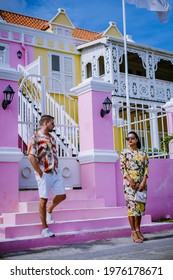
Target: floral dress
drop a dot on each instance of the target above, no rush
(135, 164)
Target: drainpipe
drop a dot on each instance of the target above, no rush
(26, 54)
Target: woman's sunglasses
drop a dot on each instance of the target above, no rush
(130, 138)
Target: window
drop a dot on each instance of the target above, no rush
(62, 72)
(2, 56)
(164, 71)
(3, 53)
(62, 31)
(135, 65)
(67, 33)
(101, 66)
(55, 63)
(58, 31)
(89, 70)
(55, 69)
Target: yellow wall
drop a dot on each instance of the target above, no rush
(62, 19)
(118, 139)
(114, 33)
(77, 70)
(44, 54)
(45, 63)
(77, 79)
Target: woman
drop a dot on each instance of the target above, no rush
(134, 166)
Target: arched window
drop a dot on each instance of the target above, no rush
(164, 71)
(89, 70)
(135, 66)
(101, 66)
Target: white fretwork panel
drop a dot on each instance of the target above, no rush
(143, 88)
(91, 56)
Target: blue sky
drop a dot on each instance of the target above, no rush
(95, 15)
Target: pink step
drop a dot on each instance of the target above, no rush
(19, 244)
(71, 194)
(64, 215)
(32, 206)
(67, 226)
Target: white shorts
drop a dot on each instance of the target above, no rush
(50, 182)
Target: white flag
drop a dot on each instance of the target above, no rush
(160, 6)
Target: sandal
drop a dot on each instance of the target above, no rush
(140, 235)
(135, 237)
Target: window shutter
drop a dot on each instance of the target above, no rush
(55, 84)
(61, 68)
(68, 65)
(68, 82)
(68, 73)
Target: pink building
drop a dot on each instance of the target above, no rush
(95, 206)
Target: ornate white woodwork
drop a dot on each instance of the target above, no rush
(142, 88)
(146, 89)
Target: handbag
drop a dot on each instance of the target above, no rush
(141, 196)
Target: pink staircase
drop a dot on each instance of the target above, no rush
(81, 217)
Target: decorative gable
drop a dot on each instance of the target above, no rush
(112, 31)
(62, 19)
(61, 24)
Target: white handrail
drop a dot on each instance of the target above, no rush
(31, 95)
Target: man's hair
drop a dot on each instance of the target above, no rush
(45, 118)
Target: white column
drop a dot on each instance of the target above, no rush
(169, 116)
(115, 113)
(154, 128)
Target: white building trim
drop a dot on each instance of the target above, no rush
(10, 154)
(7, 73)
(90, 156)
(94, 84)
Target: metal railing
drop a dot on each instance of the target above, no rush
(147, 121)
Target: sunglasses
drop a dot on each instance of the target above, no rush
(130, 138)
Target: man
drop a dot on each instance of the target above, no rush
(42, 154)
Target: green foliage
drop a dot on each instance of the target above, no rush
(164, 144)
(155, 150)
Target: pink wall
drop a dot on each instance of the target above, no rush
(160, 188)
(9, 186)
(9, 152)
(85, 118)
(9, 118)
(27, 53)
(96, 141)
(103, 134)
(95, 132)
(101, 178)
(8, 139)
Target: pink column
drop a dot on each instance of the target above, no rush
(10, 155)
(97, 156)
(169, 115)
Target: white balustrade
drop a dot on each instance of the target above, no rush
(31, 108)
(146, 89)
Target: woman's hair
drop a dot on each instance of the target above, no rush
(138, 144)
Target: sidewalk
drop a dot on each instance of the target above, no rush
(158, 247)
